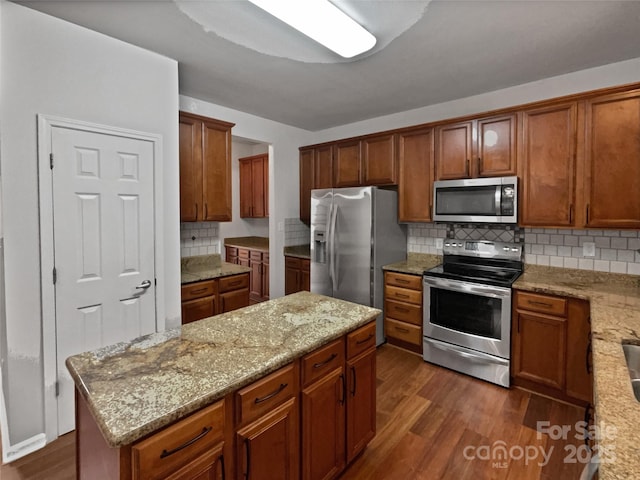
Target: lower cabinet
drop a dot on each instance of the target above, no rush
(403, 310)
(297, 274)
(258, 261)
(211, 297)
(552, 346)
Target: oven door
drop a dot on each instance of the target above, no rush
(468, 314)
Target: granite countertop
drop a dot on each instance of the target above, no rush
(254, 243)
(133, 389)
(300, 251)
(207, 267)
(615, 315)
(415, 264)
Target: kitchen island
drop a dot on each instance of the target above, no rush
(129, 394)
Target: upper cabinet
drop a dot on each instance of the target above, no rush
(612, 161)
(485, 147)
(205, 169)
(316, 171)
(254, 186)
(415, 179)
(367, 161)
(547, 163)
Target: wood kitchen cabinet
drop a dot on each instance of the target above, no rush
(415, 176)
(316, 171)
(403, 310)
(267, 437)
(485, 147)
(297, 272)
(259, 264)
(551, 346)
(347, 164)
(254, 186)
(547, 163)
(371, 160)
(612, 165)
(212, 297)
(205, 169)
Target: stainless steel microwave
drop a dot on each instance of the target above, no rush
(476, 200)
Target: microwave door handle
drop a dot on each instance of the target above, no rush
(498, 200)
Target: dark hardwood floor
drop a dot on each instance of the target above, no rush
(428, 417)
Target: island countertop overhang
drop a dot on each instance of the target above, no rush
(133, 389)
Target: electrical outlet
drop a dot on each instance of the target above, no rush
(589, 249)
(438, 243)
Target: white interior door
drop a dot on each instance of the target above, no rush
(103, 228)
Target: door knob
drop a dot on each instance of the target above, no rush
(144, 285)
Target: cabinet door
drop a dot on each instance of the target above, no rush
(306, 184)
(361, 402)
(323, 427)
(216, 170)
(346, 164)
(243, 257)
(548, 166)
(454, 151)
(258, 190)
(612, 150)
(579, 364)
(193, 310)
(265, 276)
(539, 351)
(231, 254)
(379, 160)
(415, 182)
(209, 466)
(269, 449)
(291, 275)
(255, 288)
(305, 275)
(190, 135)
(496, 146)
(323, 167)
(246, 187)
(233, 300)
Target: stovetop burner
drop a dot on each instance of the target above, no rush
(489, 263)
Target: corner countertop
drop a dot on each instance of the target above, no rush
(299, 251)
(207, 267)
(415, 264)
(615, 315)
(253, 243)
(135, 388)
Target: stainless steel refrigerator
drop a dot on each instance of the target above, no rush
(354, 232)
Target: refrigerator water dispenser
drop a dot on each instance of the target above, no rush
(320, 247)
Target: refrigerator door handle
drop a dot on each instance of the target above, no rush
(334, 260)
(330, 243)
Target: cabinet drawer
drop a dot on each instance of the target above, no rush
(361, 339)
(243, 253)
(322, 361)
(265, 257)
(234, 282)
(403, 331)
(404, 312)
(292, 262)
(198, 290)
(179, 444)
(403, 295)
(413, 282)
(305, 265)
(256, 255)
(541, 303)
(265, 394)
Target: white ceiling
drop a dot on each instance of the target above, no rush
(429, 52)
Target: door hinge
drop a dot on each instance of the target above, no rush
(51, 161)
(55, 275)
(57, 388)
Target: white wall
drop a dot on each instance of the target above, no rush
(52, 67)
(284, 142)
(600, 77)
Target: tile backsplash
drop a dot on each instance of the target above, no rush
(295, 232)
(199, 238)
(616, 251)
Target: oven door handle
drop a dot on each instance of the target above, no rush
(468, 287)
(463, 352)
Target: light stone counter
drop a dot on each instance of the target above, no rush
(207, 267)
(615, 315)
(133, 389)
(415, 264)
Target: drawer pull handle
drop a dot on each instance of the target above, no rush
(322, 364)
(165, 453)
(224, 472)
(247, 447)
(402, 280)
(401, 295)
(272, 394)
(541, 304)
(402, 309)
(233, 284)
(402, 329)
(343, 382)
(365, 340)
(200, 290)
(353, 373)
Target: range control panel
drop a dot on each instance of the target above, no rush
(482, 248)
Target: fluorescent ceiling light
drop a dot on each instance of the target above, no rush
(323, 22)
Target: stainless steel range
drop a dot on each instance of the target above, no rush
(467, 308)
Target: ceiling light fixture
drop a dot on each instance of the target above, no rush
(323, 22)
